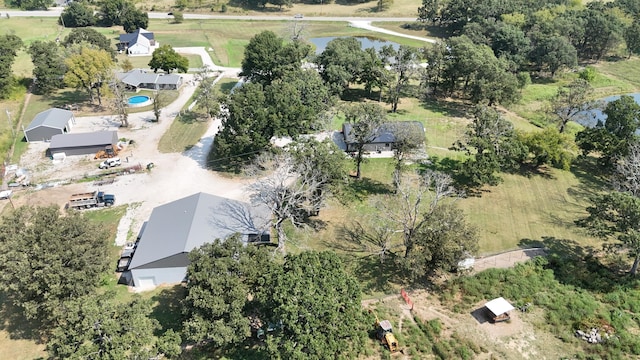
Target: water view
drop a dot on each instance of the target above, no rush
(591, 118)
(321, 43)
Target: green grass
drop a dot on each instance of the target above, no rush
(225, 85)
(627, 71)
(185, 131)
(142, 62)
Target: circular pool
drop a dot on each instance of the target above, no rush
(139, 100)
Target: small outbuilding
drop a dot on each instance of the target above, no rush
(499, 309)
(82, 143)
(49, 123)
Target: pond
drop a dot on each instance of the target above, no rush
(591, 118)
(321, 43)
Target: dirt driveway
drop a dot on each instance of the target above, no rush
(174, 176)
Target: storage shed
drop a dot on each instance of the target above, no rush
(499, 309)
(82, 143)
(384, 138)
(49, 123)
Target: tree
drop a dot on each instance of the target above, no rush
(119, 102)
(178, 17)
(444, 239)
(121, 12)
(341, 63)
(89, 70)
(224, 279)
(552, 53)
(99, 327)
(611, 139)
(322, 164)
(126, 65)
(48, 67)
(167, 59)
(135, 19)
(410, 207)
(429, 11)
(159, 101)
(492, 143)
(318, 304)
(550, 147)
(510, 42)
(602, 32)
(626, 177)
(77, 14)
(88, 36)
(31, 4)
(632, 38)
(9, 46)
(365, 120)
(407, 141)
(245, 130)
(47, 259)
(571, 102)
(402, 67)
(208, 97)
(283, 192)
(617, 215)
(298, 102)
(266, 58)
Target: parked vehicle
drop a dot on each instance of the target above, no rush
(5, 194)
(110, 163)
(91, 199)
(123, 264)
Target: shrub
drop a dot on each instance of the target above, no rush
(223, 8)
(588, 74)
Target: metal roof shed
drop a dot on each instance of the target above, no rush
(82, 143)
(48, 123)
(499, 308)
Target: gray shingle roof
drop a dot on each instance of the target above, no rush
(83, 139)
(134, 37)
(385, 131)
(188, 223)
(136, 77)
(53, 118)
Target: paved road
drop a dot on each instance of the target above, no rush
(55, 12)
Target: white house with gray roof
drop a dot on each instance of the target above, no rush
(49, 123)
(140, 42)
(137, 79)
(176, 228)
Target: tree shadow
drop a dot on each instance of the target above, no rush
(16, 324)
(576, 265)
(168, 308)
(361, 189)
(376, 276)
(358, 94)
(445, 107)
(64, 98)
(226, 88)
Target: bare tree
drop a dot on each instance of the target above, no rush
(159, 101)
(408, 140)
(627, 174)
(572, 102)
(282, 191)
(119, 102)
(409, 208)
(370, 235)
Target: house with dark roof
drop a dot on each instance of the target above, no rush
(176, 228)
(140, 42)
(49, 123)
(82, 143)
(137, 79)
(383, 138)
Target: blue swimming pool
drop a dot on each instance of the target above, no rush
(139, 100)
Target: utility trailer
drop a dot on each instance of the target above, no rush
(91, 199)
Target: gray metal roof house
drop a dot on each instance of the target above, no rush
(176, 228)
(82, 143)
(137, 79)
(384, 139)
(49, 123)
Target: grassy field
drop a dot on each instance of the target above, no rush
(142, 62)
